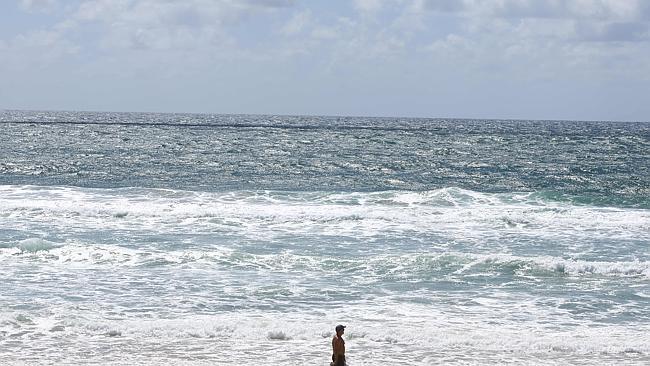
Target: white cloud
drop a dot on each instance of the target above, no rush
(133, 32)
(38, 5)
(36, 49)
(152, 24)
(450, 44)
(543, 49)
(101, 9)
(326, 33)
(368, 6)
(297, 23)
(271, 3)
(542, 39)
(588, 9)
(451, 6)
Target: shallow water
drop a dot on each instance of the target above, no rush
(196, 239)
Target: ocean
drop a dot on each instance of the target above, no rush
(187, 239)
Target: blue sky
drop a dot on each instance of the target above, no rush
(531, 59)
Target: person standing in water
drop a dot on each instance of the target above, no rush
(338, 347)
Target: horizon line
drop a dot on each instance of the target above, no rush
(512, 119)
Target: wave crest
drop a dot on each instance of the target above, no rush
(377, 267)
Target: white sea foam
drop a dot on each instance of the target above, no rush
(371, 337)
(561, 265)
(452, 211)
(376, 266)
(223, 274)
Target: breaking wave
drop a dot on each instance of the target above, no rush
(397, 267)
(353, 213)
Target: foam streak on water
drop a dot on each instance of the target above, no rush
(201, 240)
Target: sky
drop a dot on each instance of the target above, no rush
(503, 59)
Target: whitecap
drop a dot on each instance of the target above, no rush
(33, 245)
(278, 335)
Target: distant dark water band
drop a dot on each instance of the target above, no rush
(434, 125)
(221, 125)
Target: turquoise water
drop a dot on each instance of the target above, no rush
(131, 238)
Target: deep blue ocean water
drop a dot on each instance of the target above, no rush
(135, 238)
